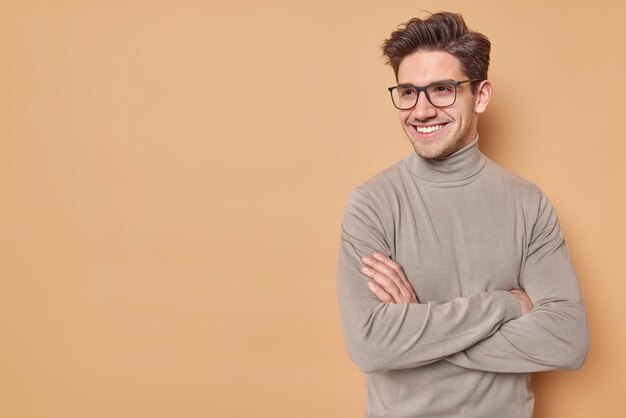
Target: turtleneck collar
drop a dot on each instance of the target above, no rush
(461, 165)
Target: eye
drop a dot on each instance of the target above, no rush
(441, 89)
(406, 92)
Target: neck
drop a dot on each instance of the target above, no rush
(460, 165)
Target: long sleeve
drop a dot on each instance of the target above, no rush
(465, 231)
(554, 334)
(383, 336)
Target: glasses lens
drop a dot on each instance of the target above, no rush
(404, 97)
(439, 95)
(442, 94)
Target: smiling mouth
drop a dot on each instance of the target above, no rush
(429, 129)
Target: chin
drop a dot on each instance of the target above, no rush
(440, 148)
(430, 153)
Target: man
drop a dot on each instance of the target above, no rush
(454, 281)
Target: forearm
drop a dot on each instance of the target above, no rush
(386, 336)
(553, 336)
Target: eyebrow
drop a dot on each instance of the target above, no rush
(429, 84)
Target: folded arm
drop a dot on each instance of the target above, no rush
(386, 336)
(552, 336)
(389, 283)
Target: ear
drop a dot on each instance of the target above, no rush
(483, 96)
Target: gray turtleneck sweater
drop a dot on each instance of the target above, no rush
(465, 232)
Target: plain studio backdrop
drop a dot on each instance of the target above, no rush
(173, 176)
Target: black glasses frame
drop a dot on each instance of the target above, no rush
(425, 90)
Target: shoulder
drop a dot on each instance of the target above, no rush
(528, 197)
(515, 184)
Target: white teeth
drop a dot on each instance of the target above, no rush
(428, 129)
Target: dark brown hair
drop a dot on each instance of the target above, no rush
(442, 31)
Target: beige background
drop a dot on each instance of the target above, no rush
(173, 176)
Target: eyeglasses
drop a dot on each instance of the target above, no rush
(438, 94)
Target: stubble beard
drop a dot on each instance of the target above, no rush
(440, 148)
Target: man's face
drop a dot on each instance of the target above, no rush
(439, 132)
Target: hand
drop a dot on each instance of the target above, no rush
(526, 305)
(388, 281)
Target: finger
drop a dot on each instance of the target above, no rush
(392, 265)
(399, 294)
(383, 268)
(379, 292)
(399, 272)
(400, 281)
(387, 284)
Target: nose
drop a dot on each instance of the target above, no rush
(423, 109)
